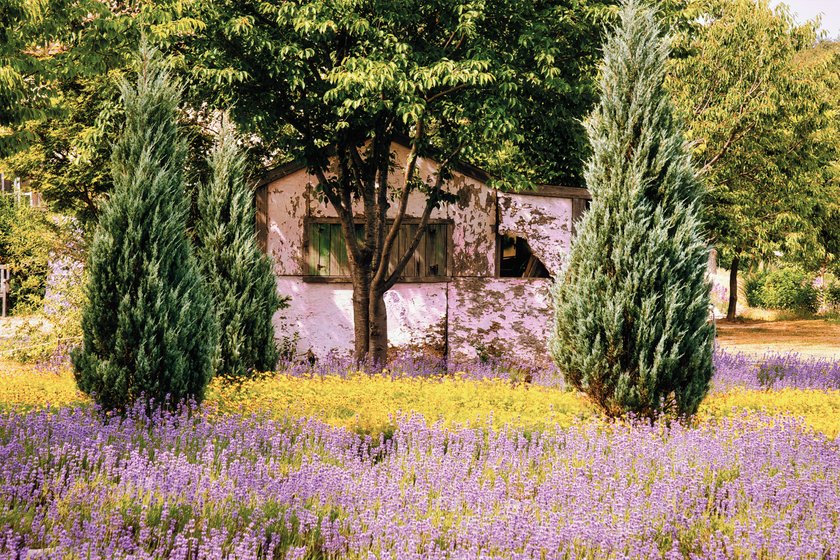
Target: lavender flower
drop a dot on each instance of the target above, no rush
(196, 484)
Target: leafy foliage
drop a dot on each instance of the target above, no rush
(760, 105)
(784, 288)
(148, 327)
(508, 81)
(326, 79)
(68, 111)
(27, 237)
(631, 325)
(238, 274)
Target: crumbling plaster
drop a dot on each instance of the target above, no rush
(472, 309)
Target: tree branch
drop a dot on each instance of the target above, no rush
(421, 228)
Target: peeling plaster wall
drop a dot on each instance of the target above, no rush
(287, 208)
(511, 316)
(544, 221)
(508, 315)
(322, 315)
(474, 235)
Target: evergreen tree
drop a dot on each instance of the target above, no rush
(632, 323)
(148, 327)
(238, 274)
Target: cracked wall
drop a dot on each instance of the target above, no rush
(472, 309)
(545, 222)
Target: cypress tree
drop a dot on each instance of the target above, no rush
(148, 327)
(238, 274)
(632, 323)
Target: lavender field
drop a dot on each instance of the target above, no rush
(202, 483)
(194, 485)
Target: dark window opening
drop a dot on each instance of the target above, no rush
(517, 260)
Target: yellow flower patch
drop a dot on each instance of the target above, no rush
(370, 404)
(819, 409)
(23, 386)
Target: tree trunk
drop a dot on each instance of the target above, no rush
(733, 289)
(822, 302)
(361, 314)
(378, 321)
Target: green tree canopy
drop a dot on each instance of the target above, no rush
(762, 128)
(344, 77)
(64, 60)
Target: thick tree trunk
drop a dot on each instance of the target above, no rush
(733, 289)
(361, 315)
(378, 321)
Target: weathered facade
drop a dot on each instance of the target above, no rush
(479, 282)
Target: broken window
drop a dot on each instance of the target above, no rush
(326, 250)
(517, 260)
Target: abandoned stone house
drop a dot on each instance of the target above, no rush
(478, 282)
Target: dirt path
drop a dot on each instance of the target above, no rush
(807, 337)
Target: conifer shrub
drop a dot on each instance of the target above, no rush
(148, 326)
(238, 274)
(632, 308)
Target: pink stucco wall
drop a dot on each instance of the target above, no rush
(544, 221)
(472, 308)
(322, 316)
(502, 316)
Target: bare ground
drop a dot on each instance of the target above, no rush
(811, 337)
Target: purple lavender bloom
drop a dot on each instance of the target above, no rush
(196, 484)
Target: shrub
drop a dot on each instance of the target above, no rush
(238, 274)
(148, 327)
(832, 291)
(632, 309)
(47, 336)
(788, 288)
(27, 236)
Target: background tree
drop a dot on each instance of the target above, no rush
(758, 120)
(67, 59)
(237, 272)
(148, 327)
(325, 78)
(631, 326)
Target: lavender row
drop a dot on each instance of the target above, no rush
(775, 371)
(771, 371)
(199, 485)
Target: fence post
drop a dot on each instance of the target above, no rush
(4, 285)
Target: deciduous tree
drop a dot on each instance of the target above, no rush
(324, 79)
(759, 123)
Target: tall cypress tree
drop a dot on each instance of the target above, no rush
(632, 323)
(238, 274)
(148, 327)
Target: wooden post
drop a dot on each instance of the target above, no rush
(4, 286)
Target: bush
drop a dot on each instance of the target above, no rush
(27, 236)
(788, 288)
(48, 335)
(149, 329)
(632, 325)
